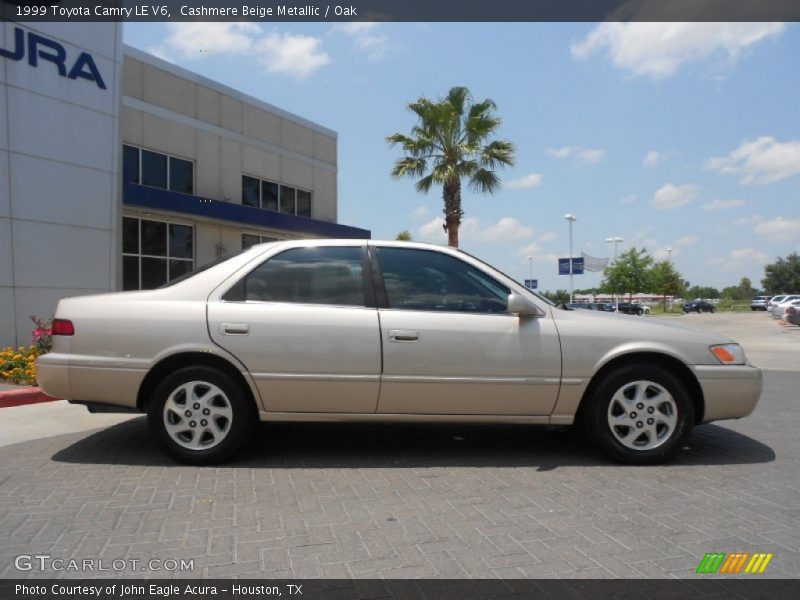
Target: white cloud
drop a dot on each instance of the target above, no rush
(673, 196)
(292, 54)
(657, 49)
(420, 212)
(723, 204)
(780, 229)
(195, 39)
(535, 252)
(369, 41)
(760, 161)
(506, 229)
(587, 155)
(528, 181)
(630, 199)
(686, 240)
(653, 158)
(286, 53)
(738, 258)
(548, 236)
(748, 220)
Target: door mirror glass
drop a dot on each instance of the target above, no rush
(519, 305)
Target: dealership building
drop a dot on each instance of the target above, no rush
(121, 171)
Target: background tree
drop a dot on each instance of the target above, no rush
(629, 274)
(699, 291)
(559, 296)
(404, 236)
(665, 280)
(452, 142)
(743, 291)
(783, 275)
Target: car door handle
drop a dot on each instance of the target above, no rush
(234, 328)
(402, 335)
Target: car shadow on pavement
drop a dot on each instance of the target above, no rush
(361, 445)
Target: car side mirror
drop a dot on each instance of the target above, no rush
(521, 306)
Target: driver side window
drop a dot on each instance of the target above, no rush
(432, 281)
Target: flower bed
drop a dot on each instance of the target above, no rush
(19, 366)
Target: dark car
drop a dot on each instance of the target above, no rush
(630, 309)
(699, 306)
(577, 305)
(602, 306)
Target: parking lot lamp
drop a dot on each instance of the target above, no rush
(571, 218)
(669, 255)
(616, 241)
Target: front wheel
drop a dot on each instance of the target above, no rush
(200, 415)
(640, 414)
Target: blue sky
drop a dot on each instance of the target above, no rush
(670, 135)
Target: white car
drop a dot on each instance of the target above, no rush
(777, 309)
(774, 301)
(361, 330)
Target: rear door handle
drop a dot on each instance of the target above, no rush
(403, 335)
(234, 328)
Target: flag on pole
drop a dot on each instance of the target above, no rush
(591, 263)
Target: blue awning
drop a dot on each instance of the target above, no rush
(158, 199)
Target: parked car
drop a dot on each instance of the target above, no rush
(361, 330)
(774, 301)
(792, 315)
(777, 308)
(602, 306)
(699, 306)
(759, 303)
(578, 305)
(630, 309)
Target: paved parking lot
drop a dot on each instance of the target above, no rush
(339, 500)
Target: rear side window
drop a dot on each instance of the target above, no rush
(432, 281)
(305, 276)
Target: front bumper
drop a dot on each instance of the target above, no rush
(729, 391)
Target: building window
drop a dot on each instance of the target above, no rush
(154, 252)
(158, 170)
(250, 239)
(269, 195)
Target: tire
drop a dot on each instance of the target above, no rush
(615, 400)
(207, 431)
(713, 310)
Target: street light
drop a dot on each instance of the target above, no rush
(669, 255)
(530, 265)
(571, 218)
(615, 240)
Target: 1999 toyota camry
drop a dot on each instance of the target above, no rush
(360, 330)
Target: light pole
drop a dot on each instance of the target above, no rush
(530, 267)
(571, 218)
(669, 255)
(615, 240)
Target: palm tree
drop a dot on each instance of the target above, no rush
(452, 137)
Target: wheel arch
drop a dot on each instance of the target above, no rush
(173, 362)
(674, 365)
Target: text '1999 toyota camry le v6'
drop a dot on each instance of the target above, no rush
(359, 330)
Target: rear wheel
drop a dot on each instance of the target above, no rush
(200, 415)
(640, 414)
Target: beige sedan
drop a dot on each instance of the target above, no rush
(355, 330)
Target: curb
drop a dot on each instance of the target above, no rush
(23, 396)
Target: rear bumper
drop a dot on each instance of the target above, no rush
(730, 391)
(52, 374)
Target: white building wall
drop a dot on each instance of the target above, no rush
(59, 186)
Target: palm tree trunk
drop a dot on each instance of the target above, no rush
(452, 210)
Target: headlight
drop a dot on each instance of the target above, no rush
(729, 354)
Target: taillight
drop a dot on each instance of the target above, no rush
(63, 327)
(791, 310)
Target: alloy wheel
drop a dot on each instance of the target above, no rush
(197, 415)
(642, 415)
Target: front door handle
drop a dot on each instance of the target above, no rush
(234, 328)
(403, 335)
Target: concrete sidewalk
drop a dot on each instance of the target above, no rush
(36, 421)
